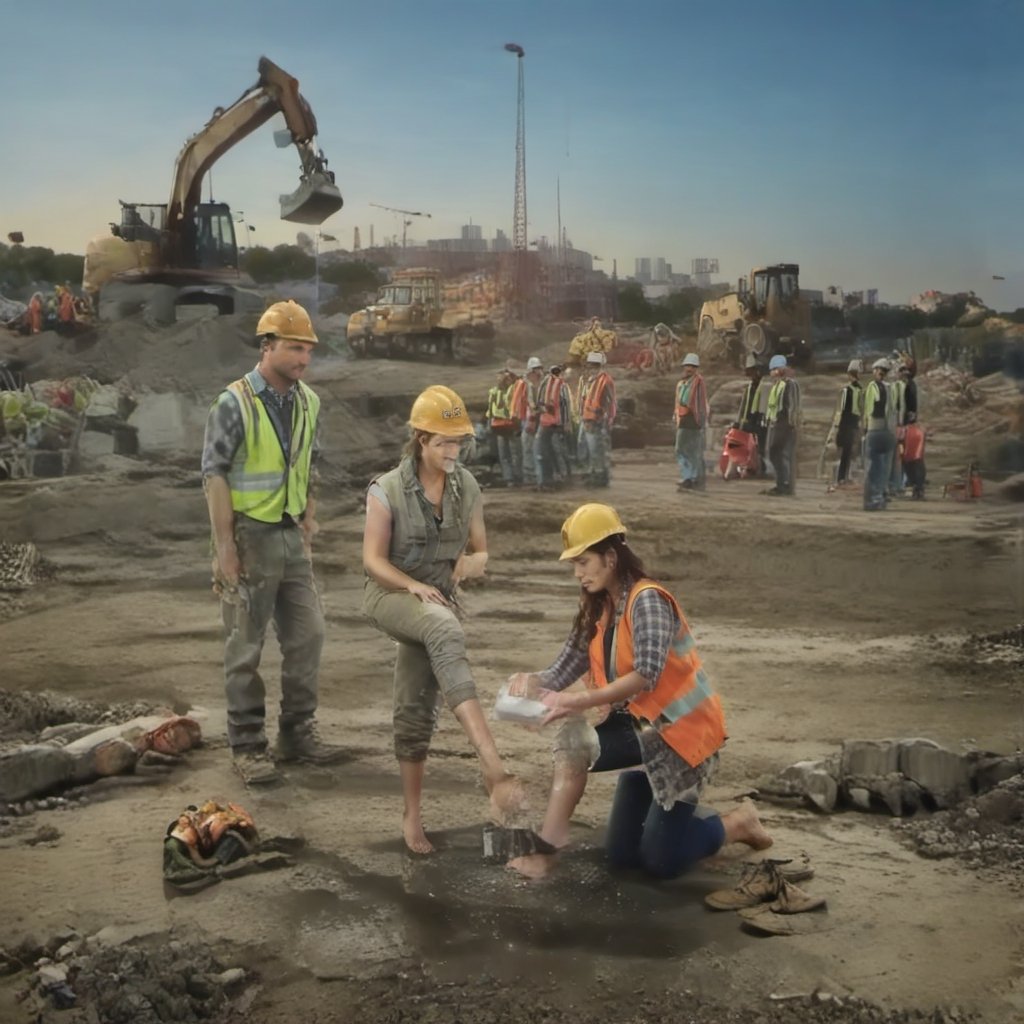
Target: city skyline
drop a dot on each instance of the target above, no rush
(870, 143)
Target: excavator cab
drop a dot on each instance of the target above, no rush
(215, 245)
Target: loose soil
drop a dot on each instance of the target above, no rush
(816, 621)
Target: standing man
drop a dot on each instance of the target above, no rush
(879, 436)
(845, 432)
(258, 474)
(553, 417)
(690, 418)
(897, 394)
(597, 414)
(524, 408)
(505, 428)
(783, 419)
(752, 406)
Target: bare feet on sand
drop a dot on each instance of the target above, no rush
(508, 801)
(534, 865)
(415, 838)
(742, 825)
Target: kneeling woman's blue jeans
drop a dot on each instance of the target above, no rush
(641, 834)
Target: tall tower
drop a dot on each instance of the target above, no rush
(519, 207)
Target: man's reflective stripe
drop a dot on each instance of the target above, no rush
(684, 705)
(255, 481)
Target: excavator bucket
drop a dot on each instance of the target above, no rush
(313, 201)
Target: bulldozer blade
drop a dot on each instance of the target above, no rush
(312, 202)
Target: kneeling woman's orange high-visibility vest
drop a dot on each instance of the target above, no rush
(682, 706)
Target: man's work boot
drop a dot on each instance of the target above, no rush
(303, 744)
(759, 883)
(255, 766)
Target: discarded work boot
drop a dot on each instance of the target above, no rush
(303, 744)
(791, 900)
(759, 883)
(255, 766)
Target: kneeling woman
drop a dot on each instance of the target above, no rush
(631, 643)
(419, 518)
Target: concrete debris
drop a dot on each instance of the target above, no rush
(36, 769)
(900, 776)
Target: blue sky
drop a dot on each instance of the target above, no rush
(877, 143)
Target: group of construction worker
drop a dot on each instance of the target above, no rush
(425, 533)
(769, 411)
(61, 310)
(546, 430)
(881, 415)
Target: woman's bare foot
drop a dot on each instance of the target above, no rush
(743, 825)
(508, 800)
(415, 838)
(534, 865)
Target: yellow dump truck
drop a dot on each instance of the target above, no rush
(420, 315)
(765, 316)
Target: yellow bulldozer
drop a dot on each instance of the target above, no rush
(764, 317)
(420, 315)
(184, 252)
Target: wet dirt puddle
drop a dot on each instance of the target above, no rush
(457, 912)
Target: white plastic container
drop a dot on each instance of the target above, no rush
(518, 709)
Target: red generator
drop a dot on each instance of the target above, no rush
(740, 457)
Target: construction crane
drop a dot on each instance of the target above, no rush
(404, 214)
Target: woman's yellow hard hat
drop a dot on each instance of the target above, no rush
(589, 524)
(439, 410)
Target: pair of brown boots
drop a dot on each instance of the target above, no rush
(766, 897)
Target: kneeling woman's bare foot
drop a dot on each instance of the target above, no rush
(743, 825)
(534, 865)
(415, 838)
(508, 800)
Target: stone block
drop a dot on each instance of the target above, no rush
(869, 758)
(941, 774)
(33, 769)
(812, 781)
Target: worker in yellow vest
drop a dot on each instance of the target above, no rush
(783, 419)
(658, 714)
(845, 430)
(258, 466)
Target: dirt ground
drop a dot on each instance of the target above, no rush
(816, 621)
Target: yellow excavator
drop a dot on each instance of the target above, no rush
(163, 256)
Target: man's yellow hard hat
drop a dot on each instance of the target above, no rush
(589, 524)
(287, 320)
(439, 410)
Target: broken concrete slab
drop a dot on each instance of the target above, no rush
(944, 776)
(33, 769)
(811, 780)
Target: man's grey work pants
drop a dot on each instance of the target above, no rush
(431, 663)
(277, 583)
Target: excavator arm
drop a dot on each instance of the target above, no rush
(317, 196)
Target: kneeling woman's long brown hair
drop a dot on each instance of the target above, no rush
(629, 570)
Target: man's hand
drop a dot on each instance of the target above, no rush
(310, 528)
(227, 567)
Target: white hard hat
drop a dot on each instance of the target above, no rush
(856, 366)
(691, 359)
(596, 357)
(881, 364)
(533, 363)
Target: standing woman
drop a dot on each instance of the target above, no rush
(632, 644)
(419, 518)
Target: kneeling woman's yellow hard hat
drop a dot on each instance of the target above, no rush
(439, 410)
(589, 524)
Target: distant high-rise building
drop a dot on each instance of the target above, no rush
(660, 270)
(501, 242)
(643, 269)
(472, 232)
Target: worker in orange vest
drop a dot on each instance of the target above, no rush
(554, 417)
(34, 313)
(597, 414)
(65, 305)
(523, 406)
(633, 648)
